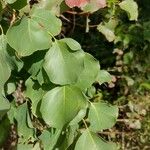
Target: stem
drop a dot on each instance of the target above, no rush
(85, 124)
(1, 29)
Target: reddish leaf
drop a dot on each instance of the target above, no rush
(76, 3)
(101, 3)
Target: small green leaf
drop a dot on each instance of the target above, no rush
(129, 80)
(108, 29)
(4, 128)
(18, 4)
(127, 58)
(11, 87)
(103, 76)
(60, 105)
(49, 139)
(145, 85)
(10, 1)
(68, 137)
(33, 32)
(102, 116)
(35, 93)
(81, 114)
(22, 126)
(4, 67)
(14, 62)
(61, 65)
(131, 7)
(73, 45)
(90, 141)
(4, 105)
(52, 5)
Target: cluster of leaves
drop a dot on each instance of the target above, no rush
(55, 106)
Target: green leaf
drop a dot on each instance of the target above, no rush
(103, 76)
(52, 5)
(91, 91)
(102, 116)
(49, 139)
(145, 85)
(4, 128)
(90, 141)
(4, 75)
(4, 106)
(90, 72)
(81, 114)
(128, 57)
(10, 1)
(14, 62)
(67, 138)
(73, 45)
(22, 146)
(22, 126)
(11, 87)
(62, 65)
(146, 26)
(4, 67)
(129, 80)
(35, 93)
(17, 4)
(108, 29)
(60, 105)
(34, 32)
(131, 7)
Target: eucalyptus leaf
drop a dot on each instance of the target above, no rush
(90, 141)
(102, 116)
(60, 105)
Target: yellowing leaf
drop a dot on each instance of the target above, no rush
(131, 7)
